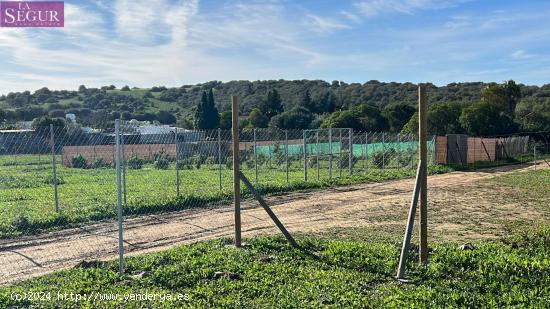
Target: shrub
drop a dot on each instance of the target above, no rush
(162, 162)
(135, 163)
(391, 155)
(250, 163)
(49, 180)
(100, 163)
(211, 160)
(405, 158)
(344, 160)
(200, 160)
(279, 154)
(312, 162)
(79, 161)
(186, 164)
(378, 159)
(229, 162)
(262, 159)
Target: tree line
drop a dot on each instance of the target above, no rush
(473, 108)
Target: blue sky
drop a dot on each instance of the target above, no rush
(174, 42)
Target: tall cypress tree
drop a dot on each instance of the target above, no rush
(200, 113)
(327, 103)
(306, 101)
(211, 112)
(273, 105)
(207, 116)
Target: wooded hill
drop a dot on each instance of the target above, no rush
(98, 107)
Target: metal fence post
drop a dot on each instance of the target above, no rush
(286, 154)
(434, 153)
(305, 155)
(535, 156)
(383, 150)
(220, 157)
(269, 150)
(330, 153)
(123, 158)
(350, 155)
(340, 153)
(417, 149)
(318, 151)
(399, 151)
(367, 151)
(474, 157)
(176, 142)
(54, 171)
(119, 198)
(255, 157)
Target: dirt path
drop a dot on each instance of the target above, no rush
(383, 205)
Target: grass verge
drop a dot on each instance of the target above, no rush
(323, 273)
(29, 223)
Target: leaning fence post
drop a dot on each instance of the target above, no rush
(236, 169)
(54, 172)
(220, 157)
(305, 155)
(119, 198)
(410, 222)
(255, 157)
(176, 142)
(286, 154)
(350, 155)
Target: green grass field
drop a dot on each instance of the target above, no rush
(328, 270)
(322, 273)
(27, 203)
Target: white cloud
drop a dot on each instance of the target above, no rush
(88, 50)
(351, 16)
(262, 29)
(522, 54)
(143, 21)
(193, 47)
(458, 22)
(182, 43)
(323, 25)
(376, 7)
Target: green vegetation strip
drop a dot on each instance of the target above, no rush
(323, 273)
(26, 198)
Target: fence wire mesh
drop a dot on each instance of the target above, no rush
(61, 181)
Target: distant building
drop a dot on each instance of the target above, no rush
(22, 141)
(24, 125)
(150, 133)
(71, 117)
(90, 130)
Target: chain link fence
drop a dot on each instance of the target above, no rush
(64, 180)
